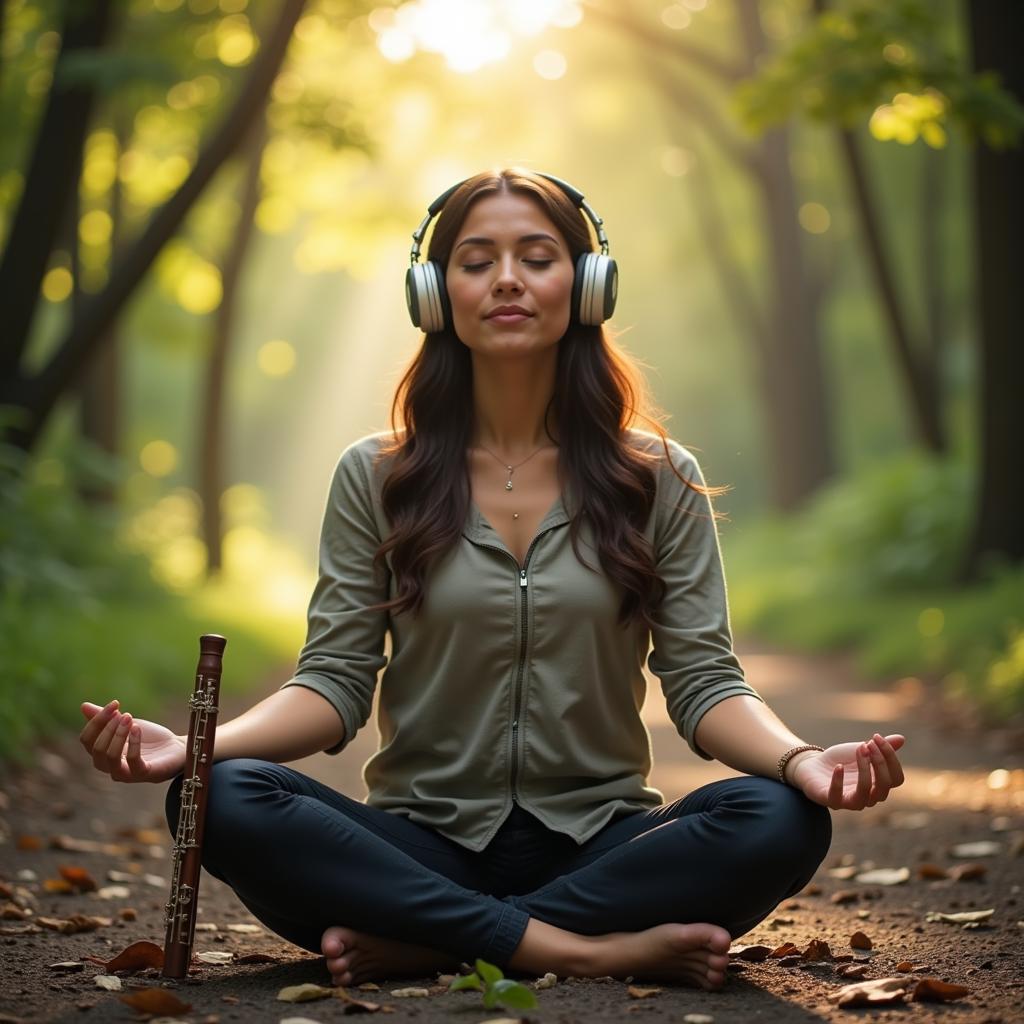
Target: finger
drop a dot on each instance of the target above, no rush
(883, 780)
(115, 748)
(102, 741)
(891, 759)
(835, 790)
(96, 723)
(859, 797)
(137, 767)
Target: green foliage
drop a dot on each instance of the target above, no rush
(853, 60)
(870, 565)
(497, 989)
(81, 615)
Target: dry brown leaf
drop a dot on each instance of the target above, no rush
(964, 872)
(156, 1000)
(148, 836)
(12, 912)
(72, 845)
(57, 885)
(858, 940)
(786, 949)
(844, 896)
(29, 843)
(931, 871)
(75, 923)
(355, 1005)
(68, 966)
(817, 950)
(879, 992)
(410, 993)
(634, 992)
(78, 877)
(883, 876)
(931, 990)
(304, 993)
(852, 970)
(372, 986)
(136, 957)
(6, 891)
(904, 966)
(127, 914)
(754, 953)
(20, 929)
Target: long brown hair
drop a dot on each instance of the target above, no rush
(599, 393)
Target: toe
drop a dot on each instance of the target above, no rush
(719, 940)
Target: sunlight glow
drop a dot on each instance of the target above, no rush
(276, 358)
(550, 64)
(467, 33)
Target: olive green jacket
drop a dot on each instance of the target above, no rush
(515, 683)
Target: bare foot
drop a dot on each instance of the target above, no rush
(690, 954)
(354, 957)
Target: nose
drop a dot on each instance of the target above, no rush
(507, 278)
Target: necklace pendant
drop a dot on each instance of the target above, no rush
(508, 486)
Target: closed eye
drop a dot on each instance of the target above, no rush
(473, 267)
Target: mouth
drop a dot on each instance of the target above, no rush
(508, 315)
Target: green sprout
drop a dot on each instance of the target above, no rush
(497, 989)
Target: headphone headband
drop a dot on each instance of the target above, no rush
(595, 279)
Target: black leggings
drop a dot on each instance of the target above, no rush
(302, 857)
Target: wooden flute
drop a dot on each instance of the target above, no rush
(195, 789)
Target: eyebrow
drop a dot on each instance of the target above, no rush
(540, 236)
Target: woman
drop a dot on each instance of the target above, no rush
(524, 546)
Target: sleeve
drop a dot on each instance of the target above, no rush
(692, 651)
(344, 648)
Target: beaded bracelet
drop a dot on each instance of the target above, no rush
(784, 760)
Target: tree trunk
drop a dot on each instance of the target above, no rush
(37, 396)
(50, 184)
(212, 430)
(997, 36)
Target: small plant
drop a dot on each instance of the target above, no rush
(497, 989)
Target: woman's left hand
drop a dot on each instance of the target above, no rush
(851, 776)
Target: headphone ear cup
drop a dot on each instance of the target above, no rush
(595, 288)
(426, 297)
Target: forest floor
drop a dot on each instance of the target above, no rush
(963, 786)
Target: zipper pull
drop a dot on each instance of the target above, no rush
(522, 577)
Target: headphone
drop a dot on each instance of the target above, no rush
(595, 283)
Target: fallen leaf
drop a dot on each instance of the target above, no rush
(548, 981)
(57, 885)
(109, 982)
(983, 848)
(409, 993)
(304, 993)
(155, 880)
(931, 871)
(844, 896)
(843, 873)
(127, 914)
(216, 956)
(136, 957)
(120, 876)
(960, 918)
(931, 990)
(12, 912)
(355, 1005)
(113, 892)
(68, 966)
(156, 1000)
(29, 843)
(75, 923)
(20, 929)
(753, 953)
(78, 877)
(698, 1018)
(147, 836)
(245, 929)
(964, 872)
(879, 992)
(72, 845)
(852, 970)
(817, 950)
(372, 986)
(858, 940)
(207, 926)
(883, 876)
(634, 992)
(786, 949)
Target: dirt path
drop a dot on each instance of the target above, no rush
(961, 787)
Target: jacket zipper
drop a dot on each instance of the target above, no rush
(523, 582)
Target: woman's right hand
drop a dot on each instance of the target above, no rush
(154, 753)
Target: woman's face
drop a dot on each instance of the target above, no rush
(509, 277)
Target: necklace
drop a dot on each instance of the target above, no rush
(508, 483)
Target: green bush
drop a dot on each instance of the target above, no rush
(82, 617)
(870, 566)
